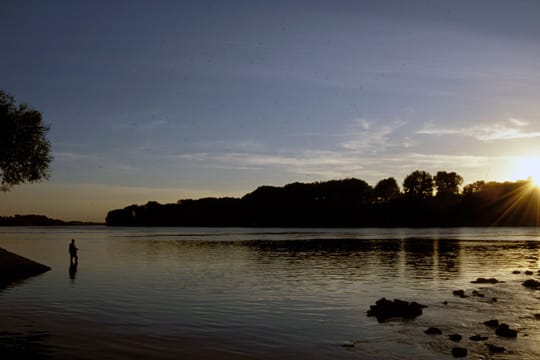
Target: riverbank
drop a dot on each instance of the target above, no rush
(15, 268)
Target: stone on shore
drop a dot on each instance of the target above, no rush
(15, 268)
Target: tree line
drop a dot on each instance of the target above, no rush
(424, 201)
(38, 220)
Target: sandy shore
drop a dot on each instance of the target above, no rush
(15, 268)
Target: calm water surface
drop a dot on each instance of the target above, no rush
(267, 293)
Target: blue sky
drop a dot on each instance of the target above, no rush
(166, 100)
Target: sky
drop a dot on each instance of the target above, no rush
(168, 100)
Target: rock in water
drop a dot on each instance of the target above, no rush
(505, 331)
(433, 331)
(478, 338)
(492, 323)
(532, 284)
(477, 293)
(385, 309)
(459, 352)
(495, 349)
(485, 281)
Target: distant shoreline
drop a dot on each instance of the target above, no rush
(41, 220)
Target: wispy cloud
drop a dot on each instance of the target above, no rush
(233, 146)
(145, 125)
(510, 129)
(340, 164)
(518, 122)
(370, 136)
(93, 161)
(293, 161)
(367, 149)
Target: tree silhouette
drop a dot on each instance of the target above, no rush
(349, 203)
(419, 184)
(447, 183)
(386, 190)
(474, 187)
(24, 147)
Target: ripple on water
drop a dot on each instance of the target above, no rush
(270, 294)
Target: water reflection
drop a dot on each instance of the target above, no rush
(449, 259)
(413, 259)
(410, 258)
(302, 292)
(419, 258)
(73, 271)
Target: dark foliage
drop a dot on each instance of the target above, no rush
(386, 190)
(24, 147)
(347, 203)
(418, 184)
(447, 183)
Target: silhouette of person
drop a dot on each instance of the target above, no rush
(73, 252)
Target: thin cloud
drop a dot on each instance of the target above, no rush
(251, 160)
(87, 161)
(369, 136)
(510, 129)
(150, 124)
(233, 145)
(335, 164)
(518, 122)
(368, 150)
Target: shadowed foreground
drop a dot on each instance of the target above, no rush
(14, 268)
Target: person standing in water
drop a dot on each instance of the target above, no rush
(73, 258)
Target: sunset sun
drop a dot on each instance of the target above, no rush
(527, 168)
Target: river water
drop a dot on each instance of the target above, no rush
(243, 293)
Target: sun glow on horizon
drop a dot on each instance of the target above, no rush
(527, 168)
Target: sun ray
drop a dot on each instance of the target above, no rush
(523, 201)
